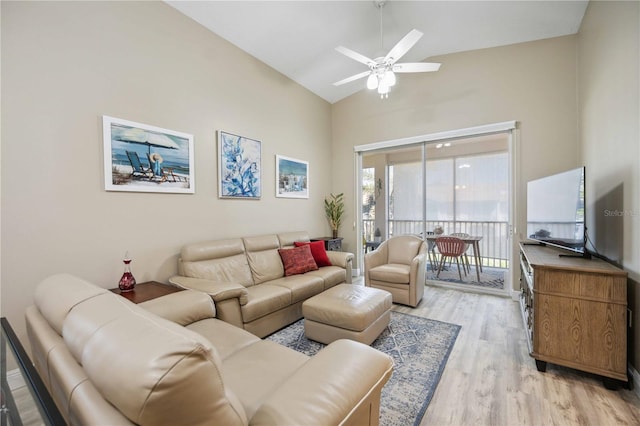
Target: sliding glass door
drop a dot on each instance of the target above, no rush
(461, 185)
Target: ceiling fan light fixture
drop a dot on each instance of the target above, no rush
(383, 87)
(389, 78)
(372, 81)
(381, 74)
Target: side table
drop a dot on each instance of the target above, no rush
(371, 245)
(147, 291)
(330, 244)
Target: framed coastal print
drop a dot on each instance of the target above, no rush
(143, 158)
(292, 177)
(239, 167)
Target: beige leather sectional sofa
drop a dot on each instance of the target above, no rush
(168, 361)
(246, 279)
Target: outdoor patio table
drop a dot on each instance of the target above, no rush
(474, 241)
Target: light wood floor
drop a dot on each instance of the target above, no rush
(490, 379)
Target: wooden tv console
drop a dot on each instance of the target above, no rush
(574, 312)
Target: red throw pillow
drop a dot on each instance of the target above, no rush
(317, 251)
(297, 260)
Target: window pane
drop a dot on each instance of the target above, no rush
(439, 180)
(368, 193)
(405, 201)
(481, 188)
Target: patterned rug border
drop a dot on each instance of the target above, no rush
(443, 364)
(449, 335)
(490, 277)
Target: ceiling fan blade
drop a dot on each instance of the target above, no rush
(352, 78)
(403, 46)
(355, 56)
(416, 67)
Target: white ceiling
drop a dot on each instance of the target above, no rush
(298, 38)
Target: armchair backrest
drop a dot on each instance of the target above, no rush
(403, 248)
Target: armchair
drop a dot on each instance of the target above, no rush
(398, 266)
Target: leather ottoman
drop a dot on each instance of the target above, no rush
(347, 312)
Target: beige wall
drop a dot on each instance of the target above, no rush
(533, 83)
(64, 65)
(609, 122)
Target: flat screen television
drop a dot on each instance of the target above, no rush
(556, 211)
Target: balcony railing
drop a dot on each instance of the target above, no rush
(494, 246)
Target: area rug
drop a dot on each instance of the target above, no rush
(420, 348)
(489, 277)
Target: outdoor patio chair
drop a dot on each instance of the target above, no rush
(166, 173)
(451, 247)
(138, 169)
(466, 248)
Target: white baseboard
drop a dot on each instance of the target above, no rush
(515, 295)
(636, 380)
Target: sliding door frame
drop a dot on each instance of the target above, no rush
(508, 127)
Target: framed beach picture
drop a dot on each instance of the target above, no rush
(239, 167)
(292, 177)
(143, 158)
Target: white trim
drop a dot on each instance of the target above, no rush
(449, 134)
(636, 380)
(357, 207)
(515, 295)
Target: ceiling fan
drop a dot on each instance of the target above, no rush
(381, 74)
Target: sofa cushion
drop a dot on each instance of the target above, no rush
(318, 252)
(234, 269)
(263, 257)
(331, 275)
(288, 238)
(301, 286)
(56, 295)
(391, 273)
(264, 299)
(297, 260)
(226, 338)
(256, 371)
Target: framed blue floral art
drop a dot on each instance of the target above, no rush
(239, 167)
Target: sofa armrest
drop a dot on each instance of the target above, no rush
(372, 259)
(341, 382)
(375, 258)
(183, 307)
(340, 258)
(218, 290)
(344, 260)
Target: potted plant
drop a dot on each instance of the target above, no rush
(334, 209)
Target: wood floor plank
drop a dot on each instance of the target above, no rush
(490, 379)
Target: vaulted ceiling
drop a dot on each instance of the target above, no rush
(298, 38)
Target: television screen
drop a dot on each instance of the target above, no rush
(555, 210)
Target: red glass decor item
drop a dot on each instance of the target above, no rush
(127, 282)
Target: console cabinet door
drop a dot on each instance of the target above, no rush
(577, 314)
